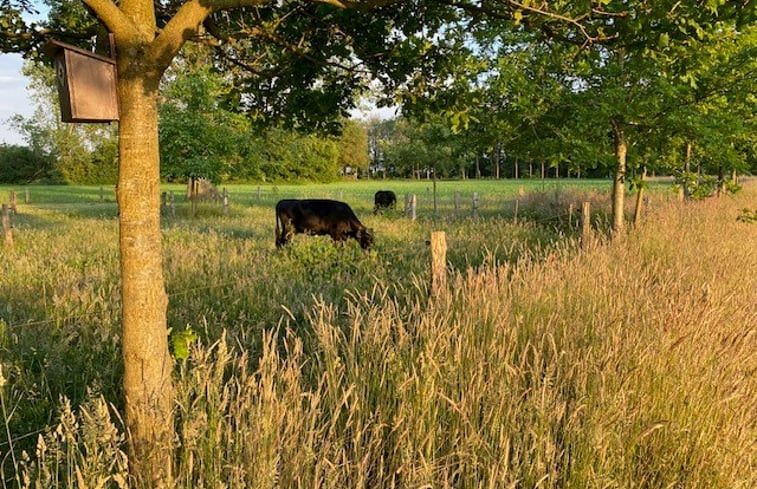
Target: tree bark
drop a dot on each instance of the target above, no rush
(496, 159)
(618, 184)
(721, 181)
(639, 199)
(147, 363)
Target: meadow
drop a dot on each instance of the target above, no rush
(617, 363)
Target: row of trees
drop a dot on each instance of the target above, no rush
(665, 95)
(201, 136)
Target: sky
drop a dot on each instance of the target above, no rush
(13, 97)
(13, 93)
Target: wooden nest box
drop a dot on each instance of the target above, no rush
(86, 83)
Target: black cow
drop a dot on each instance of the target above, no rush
(320, 217)
(384, 199)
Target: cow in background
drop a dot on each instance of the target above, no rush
(319, 217)
(384, 199)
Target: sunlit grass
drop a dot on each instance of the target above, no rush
(622, 364)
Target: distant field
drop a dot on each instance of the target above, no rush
(620, 364)
(359, 194)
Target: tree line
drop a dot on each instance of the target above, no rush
(201, 136)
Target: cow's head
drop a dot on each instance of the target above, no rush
(365, 237)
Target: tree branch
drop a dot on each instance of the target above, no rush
(113, 17)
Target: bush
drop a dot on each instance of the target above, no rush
(19, 164)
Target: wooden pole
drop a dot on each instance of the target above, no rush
(258, 193)
(26, 196)
(435, 206)
(570, 215)
(7, 228)
(475, 204)
(585, 222)
(226, 201)
(13, 208)
(515, 212)
(438, 262)
(412, 207)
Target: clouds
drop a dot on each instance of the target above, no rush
(13, 97)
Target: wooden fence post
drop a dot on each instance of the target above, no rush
(27, 199)
(438, 262)
(475, 204)
(585, 222)
(570, 215)
(7, 228)
(226, 201)
(13, 208)
(412, 207)
(259, 193)
(341, 195)
(515, 211)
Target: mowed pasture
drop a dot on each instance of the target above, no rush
(623, 363)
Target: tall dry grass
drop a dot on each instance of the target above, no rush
(629, 364)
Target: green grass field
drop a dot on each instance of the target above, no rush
(627, 363)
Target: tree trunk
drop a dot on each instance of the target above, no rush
(435, 206)
(618, 183)
(478, 168)
(147, 363)
(496, 159)
(639, 198)
(721, 181)
(515, 168)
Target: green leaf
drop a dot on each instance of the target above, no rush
(180, 341)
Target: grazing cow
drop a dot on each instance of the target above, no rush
(320, 217)
(384, 199)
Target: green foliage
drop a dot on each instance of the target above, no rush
(747, 215)
(20, 164)
(78, 153)
(199, 138)
(181, 342)
(353, 146)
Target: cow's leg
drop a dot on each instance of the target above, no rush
(286, 233)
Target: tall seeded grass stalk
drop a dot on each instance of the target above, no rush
(630, 365)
